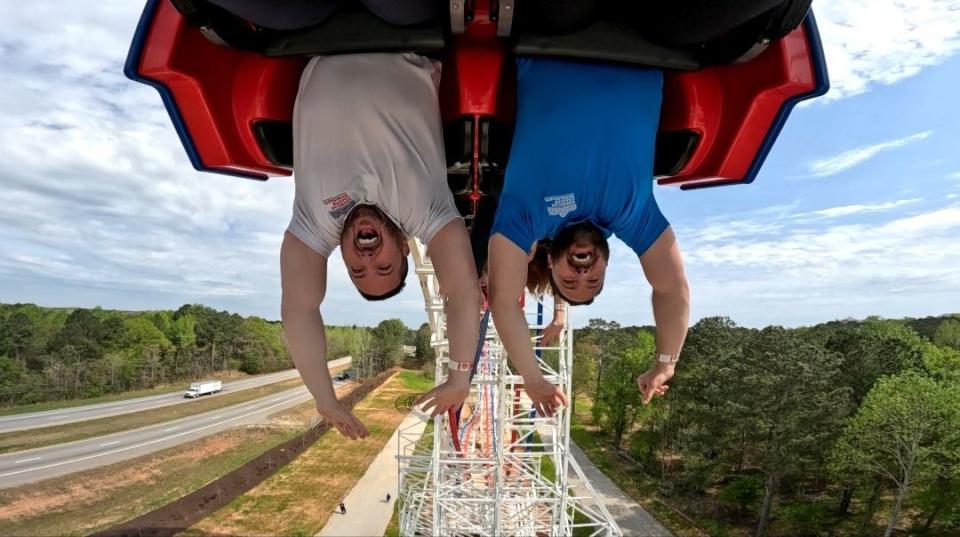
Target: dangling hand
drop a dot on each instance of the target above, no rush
(343, 420)
(449, 395)
(653, 381)
(546, 397)
(551, 333)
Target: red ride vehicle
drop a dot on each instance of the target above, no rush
(229, 86)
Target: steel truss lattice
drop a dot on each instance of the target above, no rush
(513, 473)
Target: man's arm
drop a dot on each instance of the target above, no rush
(663, 267)
(452, 259)
(303, 279)
(508, 270)
(453, 262)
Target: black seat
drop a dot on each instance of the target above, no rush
(605, 40)
(351, 28)
(669, 35)
(358, 30)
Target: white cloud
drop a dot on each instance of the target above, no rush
(869, 42)
(99, 202)
(847, 210)
(955, 175)
(805, 274)
(853, 157)
(100, 205)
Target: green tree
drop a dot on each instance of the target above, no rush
(584, 381)
(145, 346)
(948, 334)
(711, 393)
(906, 431)
(796, 406)
(17, 335)
(12, 381)
(618, 397)
(424, 353)
(940, 500)
(361, 352)
(869, 351)
(742, 492)
(388, 338)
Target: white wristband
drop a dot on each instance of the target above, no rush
(459, 366)
(668, 358)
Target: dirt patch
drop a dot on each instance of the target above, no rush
(179, 515)
(87, 492)
(300, 498)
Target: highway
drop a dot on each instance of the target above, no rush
(32, 465)
(50, 418)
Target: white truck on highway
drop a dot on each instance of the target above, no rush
(203, 387)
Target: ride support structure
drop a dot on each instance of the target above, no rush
(496, 467)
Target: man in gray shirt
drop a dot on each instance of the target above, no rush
(370, 173)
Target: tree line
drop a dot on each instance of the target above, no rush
(49, 354)
(823, 430)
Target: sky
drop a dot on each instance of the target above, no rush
(856, 211)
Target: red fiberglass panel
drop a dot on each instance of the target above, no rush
(733, 107)
(473, 72)
(220, 92)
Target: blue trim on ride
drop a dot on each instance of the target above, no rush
(823, 84)
(131, 70)
(484, 323)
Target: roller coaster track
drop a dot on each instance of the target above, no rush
(495, 468)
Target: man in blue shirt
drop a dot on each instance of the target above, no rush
(581, 169)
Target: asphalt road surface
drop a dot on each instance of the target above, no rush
(32, 465)
(49, 418)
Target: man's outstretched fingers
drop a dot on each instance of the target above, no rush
(648, 394)
(361, 428)
(344, 430)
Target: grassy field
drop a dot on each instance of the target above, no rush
(33, 438)
(299, 498)
(88, 501)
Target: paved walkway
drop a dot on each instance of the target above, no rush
(367, 512)
(633, 520)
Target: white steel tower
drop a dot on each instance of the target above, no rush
(497, 468)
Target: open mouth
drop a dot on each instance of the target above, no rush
(582, 258)
(367, 238)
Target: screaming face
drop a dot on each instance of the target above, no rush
(578, 262)
(374, 251)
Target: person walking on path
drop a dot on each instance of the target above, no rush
(343, 509)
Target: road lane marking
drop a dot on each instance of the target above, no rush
(56, 417)
(31, 459)
(105, 444)
(217, 416)
(134, 446)
(168, 429)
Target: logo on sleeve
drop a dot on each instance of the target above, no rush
(340, 205)
(561, 205)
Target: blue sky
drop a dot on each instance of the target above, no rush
(856, 211)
